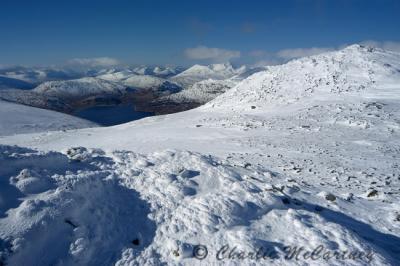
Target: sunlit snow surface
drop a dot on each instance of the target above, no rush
(303, 154)
(18, 119)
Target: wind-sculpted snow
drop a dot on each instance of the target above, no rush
(84, 207)
(67, 209)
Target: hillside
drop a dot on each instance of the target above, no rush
(142, 82)
(353, 71)
(79, 88)
(19, 119)
(199, 93)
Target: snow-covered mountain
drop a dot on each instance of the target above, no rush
(34, 99)
(200, 93)
(355, 70)
(154, 83)
(144, 82)
(205, 90)
(116, 76)
(167, 71)
(20, 119)
(37, 75)
(247, 73)
(198, 73)
(303, 155)
(158, 71)
(80, 88)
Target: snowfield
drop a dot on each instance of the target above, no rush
(304, 155)
(19, 119)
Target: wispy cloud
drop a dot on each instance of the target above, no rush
(214, 54)
(257, 53)
(302, 52)
(386, 45)
(94, 62)
(264, 58)
(267, 62)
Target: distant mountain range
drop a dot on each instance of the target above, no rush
(149, 87)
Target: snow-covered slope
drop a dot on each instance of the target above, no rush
(247, 73)
(201, 92)
(19, 119)
(32, 98)
(155, 84)
(80, 88)
(166, 71)
(305, 155)
(198, 73)
(355, 70)
(117, 76)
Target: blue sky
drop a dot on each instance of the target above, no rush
(187, 32)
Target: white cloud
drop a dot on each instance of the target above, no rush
(267, 62)
(302, 52)
(206, 53)
(94, 62)
(386, 45)
(257, 53)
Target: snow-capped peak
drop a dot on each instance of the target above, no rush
(198, 73)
